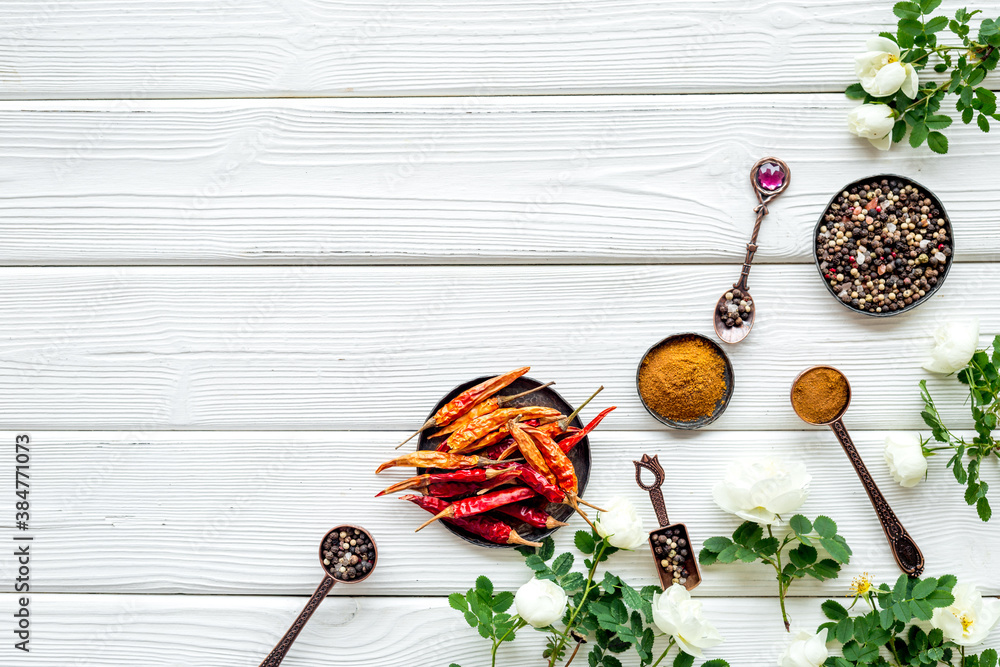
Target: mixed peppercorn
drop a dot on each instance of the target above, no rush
(736, 308)
(520, 463)
(673, 552)
(883, 245)
(348, 553)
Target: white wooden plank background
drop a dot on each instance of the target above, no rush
(218, 315)
(611, 179)
(188, 48)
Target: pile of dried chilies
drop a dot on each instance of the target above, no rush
(497, 463)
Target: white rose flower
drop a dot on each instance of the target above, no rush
(905, 456)
(675, 613)
(806, 650)
(873, 122)
(621, 524)
(880, 71)
(540, 602)
(759, 490)
(970, 619)
(954, 345)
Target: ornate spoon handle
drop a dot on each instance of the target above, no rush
(655, 494)
(277, 654)
(764, 196)
(904, 549)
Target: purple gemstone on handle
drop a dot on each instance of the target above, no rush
(770, 176)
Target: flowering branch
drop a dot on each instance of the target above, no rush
(889, 81)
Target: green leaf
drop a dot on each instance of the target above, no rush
(967, 114)
(825, 526)
(910, 27)
(900, 588)
(947, 581)
(502, 602)
(457, 602)
(800, 524)
(803, 556)
(937, 142)
(988, 658)
(885, 618)
(717, 662)
(906, 10)
(728, 555)
(826, 569)
(924, 587)
(918, 134)
(683, 660)
(584, 541)
(548, 549)
(484, 585)
(562, 564)
(938, 121)
(573, 581)
(845, 630)
(707, 557)
(928, 6)
(898, 131)
(717, 544)
(837, 549)
(983, 509)
(855, 652)
(921, 609)
(940, 598)
(834, 610)
(748, 533)
(767, 546)
(936, 24)
(471, 619)
(535, 562)
(983, 122)
(855, 92)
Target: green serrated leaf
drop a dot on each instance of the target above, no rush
(983, 509)
(767, 546)
(502, 602)
(471, 619)
(898, 131)
(484, 585)
(940, 598)
(800, 524)
(918, 134)
(825, 526)
(803, 556)
(910, 27)
(728, 555)
(906, 10)
(458, 602)
(937, 142)
(936, 24)
(584, 541)
(548, 549)
(837, 549)
(834, 610)
(845, 630)
(562, 564)
(717, 544)
(748, 533)
(683, 660)
(855, 92)
(928, 6)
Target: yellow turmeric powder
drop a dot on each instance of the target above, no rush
(683, 379)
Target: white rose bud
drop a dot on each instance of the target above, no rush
(675, 613)
(806, 650)
(954, 345)
(905, 456)
(621, 524)
(881, 73)
(873, 122)
(540, 602)
(759, 490)
(969, 619)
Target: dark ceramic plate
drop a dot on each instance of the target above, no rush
(947, 221)
(579, 455)
(727, 376)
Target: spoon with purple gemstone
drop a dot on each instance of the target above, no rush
(735, 312)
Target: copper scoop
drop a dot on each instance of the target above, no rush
(904, 549)
(670, 544)
(331, 576)
(769, 178)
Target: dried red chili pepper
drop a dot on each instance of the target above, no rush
(481, 426)
(538, 482)
(487, 527)
(571, 441)
(461, 509)
(494, 451)
(485, 407)
(530, 451)
(466, 475)
(556, 460)
(451, 489)
(531, 515)
(427, 459)
(462, 403)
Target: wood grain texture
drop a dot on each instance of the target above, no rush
(126, 630)
(374, 348)
(536, 180)
(242, 513)
(185, 48)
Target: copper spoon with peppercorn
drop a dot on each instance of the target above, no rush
(904, 550)
(360, 546)
(735, 311)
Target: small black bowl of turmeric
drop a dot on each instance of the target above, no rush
(685, 381)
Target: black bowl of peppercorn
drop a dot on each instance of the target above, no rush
(883, 245)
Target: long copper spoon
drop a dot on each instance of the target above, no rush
(275, 657)
(769, 178)
(904, 549)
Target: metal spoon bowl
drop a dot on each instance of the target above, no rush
(277, 654)
(769, 178)
(904, 550)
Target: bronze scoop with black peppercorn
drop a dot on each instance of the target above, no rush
(348, 555)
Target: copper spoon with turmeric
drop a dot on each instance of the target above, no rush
(821, 396)
(769, 178)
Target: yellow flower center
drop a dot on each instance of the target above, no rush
(892, 59)
(861, 584)
(966, 622)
